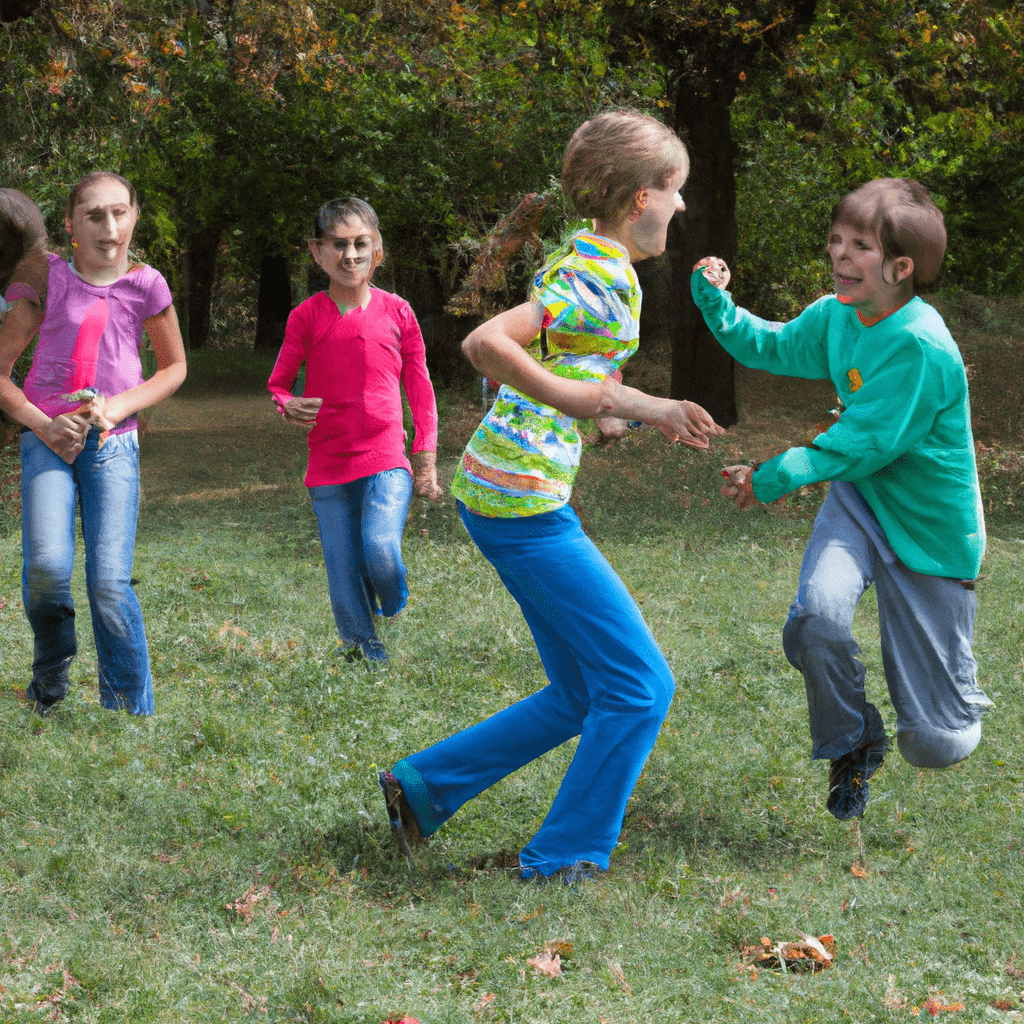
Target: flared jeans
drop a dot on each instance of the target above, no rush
(608, 684)
(103, 483)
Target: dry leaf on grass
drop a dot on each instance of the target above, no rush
(934, 1005)
(245, 906)
(546, 963)
(807, 954)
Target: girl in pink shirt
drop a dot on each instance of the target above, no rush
(360, 346)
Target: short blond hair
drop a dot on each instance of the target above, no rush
(613, 156)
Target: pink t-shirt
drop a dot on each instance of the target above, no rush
(358, 364)
(90, 335)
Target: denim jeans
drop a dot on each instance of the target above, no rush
(608, 683)
(104, 484)
(361, 526)
(926, 626)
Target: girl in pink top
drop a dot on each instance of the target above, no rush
(79, 439)
(360, 346)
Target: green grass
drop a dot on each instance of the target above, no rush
(229, 859)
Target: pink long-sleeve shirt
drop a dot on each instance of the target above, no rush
(358, 364)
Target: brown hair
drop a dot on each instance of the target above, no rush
(94, 178)
(21, 230)
(901, 214)
(613, 156)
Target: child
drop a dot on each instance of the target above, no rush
(557, 356)
(360, 346)
(22, 231)
(904, 507)
(90, 315)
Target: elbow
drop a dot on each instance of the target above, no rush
(473, 348)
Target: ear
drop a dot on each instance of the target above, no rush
(378, 258)
(904, 267)
(639, 204)
(314, 250)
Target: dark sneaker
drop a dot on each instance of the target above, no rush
(48, 689)
(848, 776)
(404, 829)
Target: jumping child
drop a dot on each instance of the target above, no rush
(360, 346)
(557, 356)
(79, 439)
(904, 506)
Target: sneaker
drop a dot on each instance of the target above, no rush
(49, 688)
(848, 776)
(404, 829)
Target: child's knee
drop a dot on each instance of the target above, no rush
(807, 634)
(932, 747)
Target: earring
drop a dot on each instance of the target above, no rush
(74, 243)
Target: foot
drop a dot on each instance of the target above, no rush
(848, 776)
(404, 829)
(48, 689)
(570, 874)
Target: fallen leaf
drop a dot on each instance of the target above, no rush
(934, 1005)
(548, 964)
(808, 955)
(859, 871)
(620, 977)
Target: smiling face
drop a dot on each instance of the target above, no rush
(863, 277)
(101, 223)
(348, 254)
(644, 229)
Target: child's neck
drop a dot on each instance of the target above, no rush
(105, 276)
(872, 315)
(349, 298)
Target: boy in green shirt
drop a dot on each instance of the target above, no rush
(904, 506)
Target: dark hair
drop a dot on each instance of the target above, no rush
(901, 214)
(94, 178)
(21, 229)
(335, 210)
(613, 156)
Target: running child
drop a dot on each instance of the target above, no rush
(904, 507)
(79, 438)
(557, 356)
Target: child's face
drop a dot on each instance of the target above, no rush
(648, 234)
(102, 223)
(863, 277)
(348, 253)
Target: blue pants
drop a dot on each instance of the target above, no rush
(926, 626)
(361, 526)
(608, 683)
(104, 483)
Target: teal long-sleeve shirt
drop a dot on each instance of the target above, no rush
(904, 439)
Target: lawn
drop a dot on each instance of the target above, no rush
(229, 859)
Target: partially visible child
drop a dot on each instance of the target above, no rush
(79, 442)
(904, 507)
(361, 346)
(22, 231)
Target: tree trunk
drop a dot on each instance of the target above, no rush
(198, 275)
(702, 371)
(273, 303)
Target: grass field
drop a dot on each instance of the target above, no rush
(229, 859)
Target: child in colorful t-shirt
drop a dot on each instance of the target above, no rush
(557, 357)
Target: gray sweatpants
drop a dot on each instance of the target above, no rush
(927, 627)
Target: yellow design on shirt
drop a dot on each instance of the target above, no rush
(855, 381)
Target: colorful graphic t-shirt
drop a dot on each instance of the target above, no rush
(523, 457)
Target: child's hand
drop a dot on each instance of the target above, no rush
(95, 411)
(689, 424)
(716, 271)
(739, 486)
(302, 411)
(424, 475)
(64, 435)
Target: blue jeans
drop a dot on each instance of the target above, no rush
(608, 683)
(926, 626)
(104, 484)
(361, 526)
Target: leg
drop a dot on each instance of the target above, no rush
(609, 683)
(386, 500)
(338, 509)
(48, 498)
(108, 480)
(818, 636)
(927, 628)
